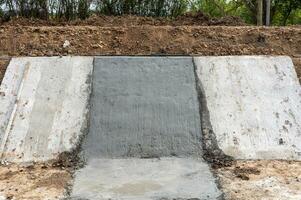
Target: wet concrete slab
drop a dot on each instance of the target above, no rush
(254, 105)
(44, 107)
(143, 107)
(147, 179)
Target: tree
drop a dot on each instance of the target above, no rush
(282, 9)
(268, 13)
(259, 13)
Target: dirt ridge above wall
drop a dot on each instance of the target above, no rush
(151, 40)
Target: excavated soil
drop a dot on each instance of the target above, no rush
(257, 180)
(150, 40)
(38, 182)
(189, 19)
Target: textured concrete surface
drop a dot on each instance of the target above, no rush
(8, 93)
(147, 179)
(143, 107)
(254, 103)
(45, 107)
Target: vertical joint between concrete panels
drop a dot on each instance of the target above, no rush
(212, 153)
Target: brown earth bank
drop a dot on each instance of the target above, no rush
(148, 40)
(198, 18)
(151, 40)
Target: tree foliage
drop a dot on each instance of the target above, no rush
(283, 12)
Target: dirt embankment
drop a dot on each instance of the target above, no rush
(150, 40)
(188, 19)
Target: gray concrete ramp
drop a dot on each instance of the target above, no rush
(144, 107)
(254, 104)
(43, 107)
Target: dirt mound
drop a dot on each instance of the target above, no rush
(198, 18)
(188, 19)
(227, 21)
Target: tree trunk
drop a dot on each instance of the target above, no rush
(268, 13)
(259, 12)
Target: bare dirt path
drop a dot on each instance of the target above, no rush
(34, 182)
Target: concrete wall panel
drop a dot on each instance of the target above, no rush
(50, 108)
(254, 104)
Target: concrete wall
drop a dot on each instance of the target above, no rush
(254, 104)
(45, 107)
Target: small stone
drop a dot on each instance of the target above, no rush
(66, 44)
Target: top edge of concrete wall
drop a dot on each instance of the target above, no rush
(152, 55)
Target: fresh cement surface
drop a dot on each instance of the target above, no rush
(45, 110)
(254, 104)
(144, 107)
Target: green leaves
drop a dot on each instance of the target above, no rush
(283, 12)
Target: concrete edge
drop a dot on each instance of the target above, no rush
(9, 94)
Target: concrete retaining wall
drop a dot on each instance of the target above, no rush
(254, 104)
(43, 107)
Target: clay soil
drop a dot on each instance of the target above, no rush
(38, 182)
(189, 19)
(257, 180)
(20, 40)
